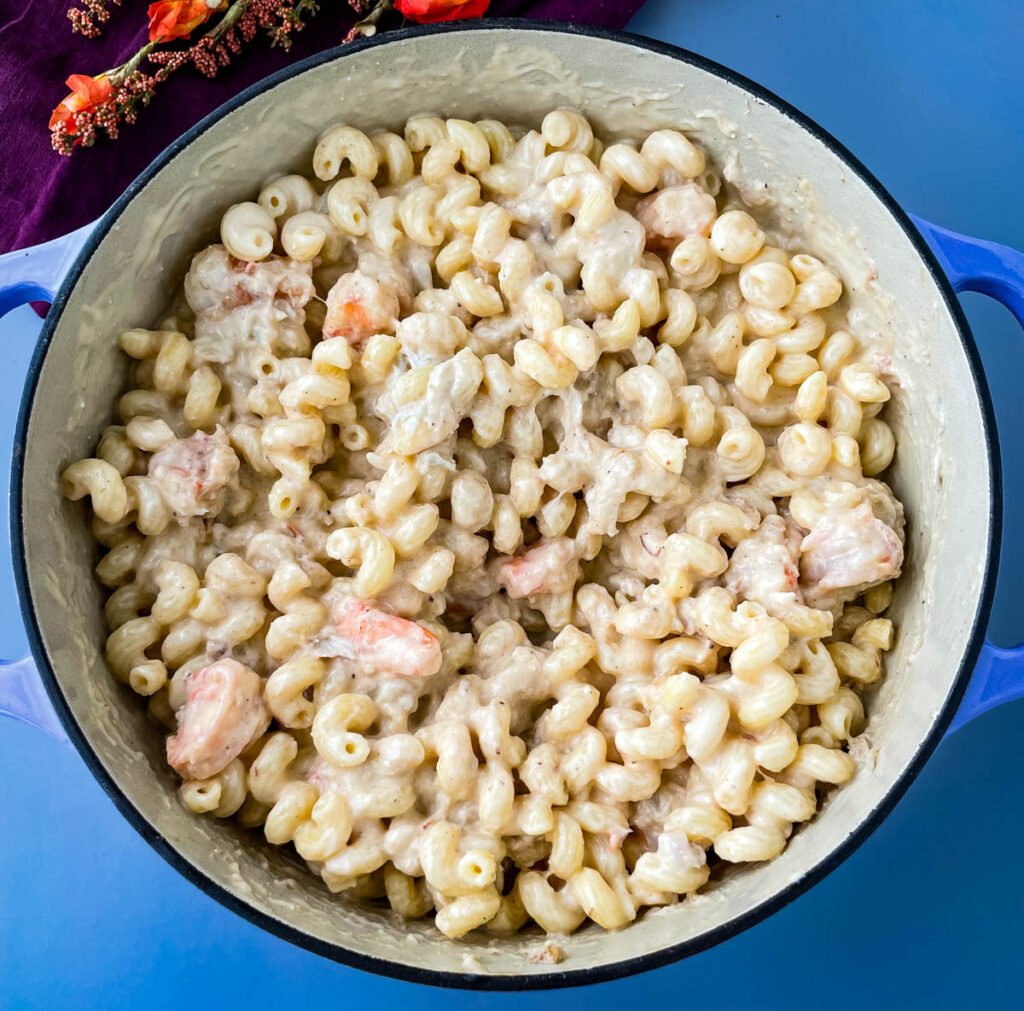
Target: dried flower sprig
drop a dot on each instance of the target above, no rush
(113, 98)
(109, 100)
(280, 19)
(90, 16)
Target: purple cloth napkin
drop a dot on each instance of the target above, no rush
(43, 195)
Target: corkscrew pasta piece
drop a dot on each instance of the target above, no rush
(350, 204)
(287, 196)
(736, 238)
(567, 130)
(286, 688)
(587, 196)
(304, 234)
(341, 145)
(103, 484)
(221, 795)
(367, 550)
(695, 263)
(248, 232)
(741, 448)
(394, 157)
(497, 522)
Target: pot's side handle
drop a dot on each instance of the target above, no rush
(33, 275)
(22, 697)
(978, 265)
(998, 677)
(997, 271)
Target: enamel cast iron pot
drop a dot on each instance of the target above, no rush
(900, 275)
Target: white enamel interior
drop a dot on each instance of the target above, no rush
(942, 468)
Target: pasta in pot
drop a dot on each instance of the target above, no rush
(498, 524)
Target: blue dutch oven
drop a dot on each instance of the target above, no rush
(901, 275)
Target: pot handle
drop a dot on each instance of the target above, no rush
(33, 275)
(997, 271)
(23, 697)
(978, 265)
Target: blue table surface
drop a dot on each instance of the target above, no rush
(927, 913)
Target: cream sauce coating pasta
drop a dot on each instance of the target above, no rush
(497, 533)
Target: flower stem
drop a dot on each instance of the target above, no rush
(368, 26)
(230, 19)
(118, 74)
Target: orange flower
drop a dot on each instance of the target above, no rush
(176, 19)
(86, 94)
(430, 11)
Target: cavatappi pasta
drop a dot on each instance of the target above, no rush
(497, 522)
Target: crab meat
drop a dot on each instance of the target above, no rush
(547, 953)
(765, 564)
(383, 643)
(614, 249)
(636, 549)
(192, 473)
(428, 420)
(430, 337)
(550, 566)
(358, 306)
(223, 713)
(853, 549)
(676, 212)
(217, 283)
(678, 854)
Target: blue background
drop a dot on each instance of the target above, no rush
(930, 94)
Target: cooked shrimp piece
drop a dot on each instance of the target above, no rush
(675, 212)
(384, 643)
(192, 473)
(223, 713)
(358, 306)
(852, 549)
(550, 566)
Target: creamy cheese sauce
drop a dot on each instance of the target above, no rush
(535, 485)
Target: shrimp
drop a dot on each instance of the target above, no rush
(192, 473)
(676, 212)
(550, 566)
(853, 550)
(223, 713)
(384, 643)
(359, 306)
